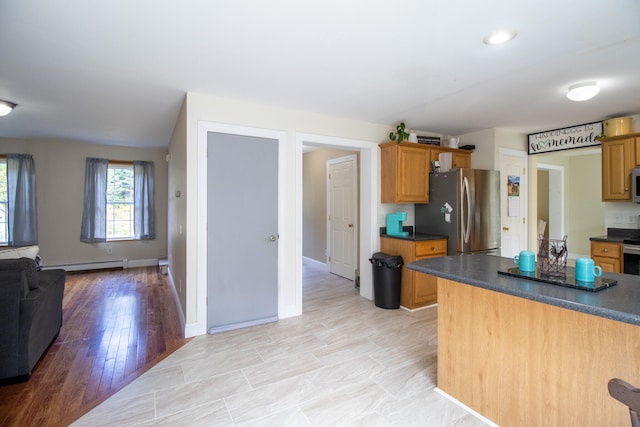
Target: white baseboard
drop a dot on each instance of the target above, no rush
(466, 408)
(176, 299)
(241, 325)
(316, 263)
(100, 265)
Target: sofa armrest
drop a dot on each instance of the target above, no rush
(12, 292)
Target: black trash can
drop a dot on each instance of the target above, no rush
(387, 272)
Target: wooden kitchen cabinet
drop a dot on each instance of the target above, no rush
(459, 158)
(404, 168)
(416, 289)
(619, 157)
(608, 255)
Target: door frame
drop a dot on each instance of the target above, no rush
(558, 173)
(369, 192)
(356, 218)
(204, 127)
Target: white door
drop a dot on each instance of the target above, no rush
(513, 199)
(342, 214)
(242, 231)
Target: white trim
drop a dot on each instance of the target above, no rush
(356, 170)
(176, 300)
(204, 127)
(465, 407)
(557, 169)
(369, 195)
(99, 265)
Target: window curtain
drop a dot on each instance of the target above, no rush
(94, 213)
(144, 220)
(21, 197)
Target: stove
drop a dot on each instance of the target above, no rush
(631, 253)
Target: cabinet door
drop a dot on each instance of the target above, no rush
(617, 158)
(637, 151)
(609, 265)
(461, 160)
(425, 290)
(413, 174)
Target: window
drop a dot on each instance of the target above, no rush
(118, 201)
(4, 204)
(120, 206)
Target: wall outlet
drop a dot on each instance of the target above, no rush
(109, 249)
(633, 220)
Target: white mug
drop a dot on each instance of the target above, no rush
(453, 141)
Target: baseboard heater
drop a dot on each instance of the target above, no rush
(101, 265)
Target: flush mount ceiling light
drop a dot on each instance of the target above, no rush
(583, 91)
(499, 37)
(6, 107)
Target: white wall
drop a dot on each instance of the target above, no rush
(201, 107)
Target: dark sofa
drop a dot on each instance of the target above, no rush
(30, 315)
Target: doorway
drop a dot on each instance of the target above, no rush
(368, 239)
(551, 199)
(513, 201)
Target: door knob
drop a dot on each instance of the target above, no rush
(272, 238)
(505, 228)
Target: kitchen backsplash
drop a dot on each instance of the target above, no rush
(621, 215)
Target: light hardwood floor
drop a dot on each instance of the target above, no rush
(116, 325)
(343, 362)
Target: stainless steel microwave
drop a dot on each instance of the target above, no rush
(635, 185)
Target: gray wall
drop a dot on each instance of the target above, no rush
(60, 184)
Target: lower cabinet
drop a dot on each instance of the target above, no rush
(416, 289)
(608, 255)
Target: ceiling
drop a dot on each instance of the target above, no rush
(116, 72)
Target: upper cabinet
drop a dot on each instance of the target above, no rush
(619, 157)
(405, 167)
(404, 170)
(459, 158)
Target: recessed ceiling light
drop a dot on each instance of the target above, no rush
(6, 107)
(583, 91)
(498, 37)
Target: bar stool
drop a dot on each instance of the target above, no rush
(629, 395)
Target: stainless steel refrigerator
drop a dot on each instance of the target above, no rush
(464, 204)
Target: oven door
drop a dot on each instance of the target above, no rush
(632, 259)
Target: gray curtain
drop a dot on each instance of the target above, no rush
(144, 220)
(21, 197)
(94, 213)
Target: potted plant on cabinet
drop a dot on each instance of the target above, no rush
(401, 134)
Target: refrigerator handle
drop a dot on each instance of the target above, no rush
(466, 222)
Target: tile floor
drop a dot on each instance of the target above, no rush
(344, 362)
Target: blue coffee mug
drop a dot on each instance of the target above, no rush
(586, 270)
(526, 261)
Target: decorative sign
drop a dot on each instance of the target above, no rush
(565, 139)
(513, 195)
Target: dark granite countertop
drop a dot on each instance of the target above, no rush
(413, 236)
(616, 235)
(417, 237)
(620, 302)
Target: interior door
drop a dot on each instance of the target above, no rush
(342, 215)
(242, 240)
(513, 198)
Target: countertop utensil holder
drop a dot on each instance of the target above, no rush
(552, 256)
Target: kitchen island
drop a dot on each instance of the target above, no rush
(524, 353)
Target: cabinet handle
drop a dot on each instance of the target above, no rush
(605, 250)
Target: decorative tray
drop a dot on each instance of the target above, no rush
(568, 281)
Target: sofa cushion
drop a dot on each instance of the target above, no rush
(25, 264)
(21, 252)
